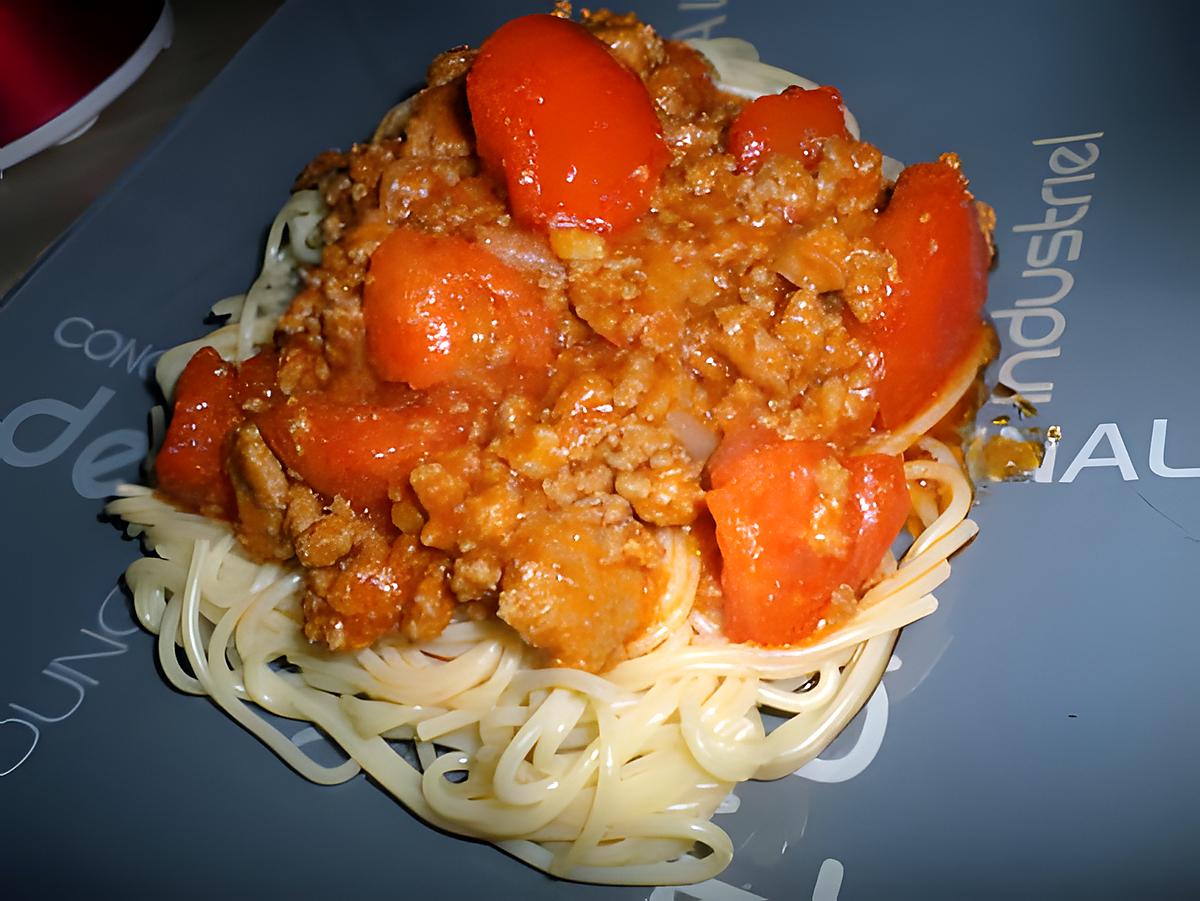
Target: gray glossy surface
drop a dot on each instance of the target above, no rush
(1041, 732)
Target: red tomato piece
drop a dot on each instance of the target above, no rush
(786, 542)
(572, 130)
(208, 406)
(931, 319)
(190, 465)
(881, 492)
(358, 451)
(793, 122)
(256, 377)
(441, 309)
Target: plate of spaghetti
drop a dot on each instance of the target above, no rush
(555, 467)
(565, 432)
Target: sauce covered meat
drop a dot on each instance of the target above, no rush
(520, 362)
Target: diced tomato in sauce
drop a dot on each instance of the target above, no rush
(793, 122)
(441, 309)
(572, 130)
(931, 320)
(796, 522)
(359, 451)
(209, 397)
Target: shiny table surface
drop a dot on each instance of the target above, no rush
(1036, 737)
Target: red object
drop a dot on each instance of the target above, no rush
(785, 548)
(793, 122)
(191, 464)
(441, 309)
(55, 53)
(571, 128)
(358, 451)
(931, 319)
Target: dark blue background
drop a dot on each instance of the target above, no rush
(1043, 730)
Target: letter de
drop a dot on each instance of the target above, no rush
(74, 419)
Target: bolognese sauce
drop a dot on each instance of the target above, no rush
(572, 295)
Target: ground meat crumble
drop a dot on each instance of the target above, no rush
(733, 302)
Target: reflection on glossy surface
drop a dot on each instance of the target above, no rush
(979, 768)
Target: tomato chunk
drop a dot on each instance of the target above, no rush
(793, 122)
(441, 309)
(794, 523)
(190, 465)
(572, 130)
(256, 377)
(361, 450)
(208, 406)
(931, 318)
